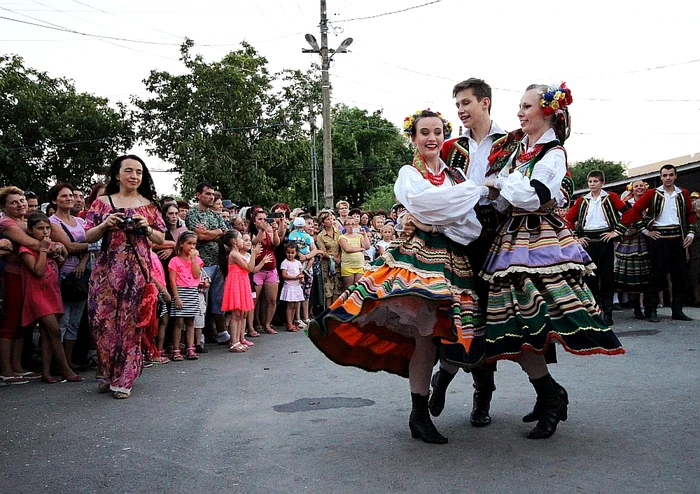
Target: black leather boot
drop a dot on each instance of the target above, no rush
(553, 408)
(651, 301)
(607, 307)
(420, 424)
(440, 381)
(677, 308)
(534, 415)
(483, 391)
(638, 314)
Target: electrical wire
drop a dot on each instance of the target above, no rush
(388, 13)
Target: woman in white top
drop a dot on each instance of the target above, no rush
(535, 267)
(419, 292)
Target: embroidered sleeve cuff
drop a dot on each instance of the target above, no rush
(621, 229)
(645, 232)
(691, 235)
(437, 229)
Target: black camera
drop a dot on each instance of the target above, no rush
(129, 224)
(270, 220)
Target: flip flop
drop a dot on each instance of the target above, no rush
(270, 330)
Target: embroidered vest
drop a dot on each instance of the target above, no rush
(611, 215)
(657, 206)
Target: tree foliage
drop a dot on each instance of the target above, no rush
(382, 197)
(223, 123)
(614, 171)
(368, 151)
(49, 132)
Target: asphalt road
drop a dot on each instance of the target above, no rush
(283, 418)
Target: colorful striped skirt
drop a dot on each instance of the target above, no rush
(633, 264)
(537, 294)
(421, 286)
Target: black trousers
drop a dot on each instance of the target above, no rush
(603, 256)
(667, 257)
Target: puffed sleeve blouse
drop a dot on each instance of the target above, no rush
(449, 206)
(515, 187)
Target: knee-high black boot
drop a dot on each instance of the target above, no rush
(677, 308)
(552, 411)
(637, 304)
(534, 415)
(439, 382)
(651, 300)
(483, 391)
(607, 307)
(420, 424)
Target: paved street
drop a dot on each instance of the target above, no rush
(283, 418)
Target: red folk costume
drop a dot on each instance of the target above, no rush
(653, 203)
(611, 204)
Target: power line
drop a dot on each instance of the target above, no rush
(388, 13)
(122, 18)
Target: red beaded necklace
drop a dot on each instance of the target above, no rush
(527, 156)
(419, 164)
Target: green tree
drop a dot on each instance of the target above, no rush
(614, 171)
(221, 122)
(368, 151)
(382, 197)
(49, 132)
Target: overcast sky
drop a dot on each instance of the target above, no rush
(634, 70)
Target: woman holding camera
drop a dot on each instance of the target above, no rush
(265, 231)
(126, 217)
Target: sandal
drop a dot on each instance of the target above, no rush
(103, 386)
(14, 380)
(253, 334)
(192, 353)
(247, 343)
(291, 329)
(177, 356)
(120, 395)
(28, 375)
(75, 378)
(49, 380)
(161, 360)
(238, 348)
(270, 330)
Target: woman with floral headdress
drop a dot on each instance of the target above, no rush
(632, 256)
(535, 267)
(419, 292)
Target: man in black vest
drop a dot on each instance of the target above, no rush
(470, 153)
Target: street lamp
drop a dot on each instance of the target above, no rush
(326, 99)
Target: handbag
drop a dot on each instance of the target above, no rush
(74, 289)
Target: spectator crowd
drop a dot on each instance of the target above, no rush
(222, 275)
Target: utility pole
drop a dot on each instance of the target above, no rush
(314, 158)
(326, 102)
(326, 99)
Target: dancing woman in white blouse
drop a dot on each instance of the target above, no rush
(535, 268)
(420, 292)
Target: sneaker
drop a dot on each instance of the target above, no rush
(223, 338)
(300, 324)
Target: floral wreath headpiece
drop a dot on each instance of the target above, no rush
(409, 121)
(555, 99)
(629, 186)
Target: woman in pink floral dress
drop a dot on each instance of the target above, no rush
(125, 217)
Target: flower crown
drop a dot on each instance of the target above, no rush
(410, 120)
(629, 186)
(555, 99)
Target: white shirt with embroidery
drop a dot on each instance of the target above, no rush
(449, 206)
